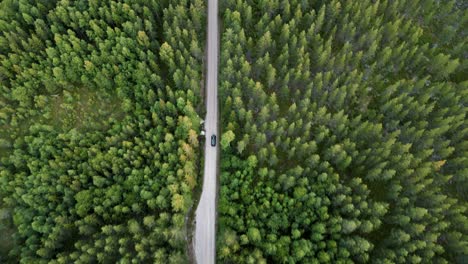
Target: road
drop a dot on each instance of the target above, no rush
(205, 215)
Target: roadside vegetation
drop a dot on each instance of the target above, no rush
(98, 129)
(344, 132)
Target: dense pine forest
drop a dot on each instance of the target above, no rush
(344, 132)
(99, 129)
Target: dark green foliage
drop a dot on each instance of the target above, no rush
(350, 132)
(98, 129)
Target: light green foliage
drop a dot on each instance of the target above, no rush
(98, 129)
(351, 128)
(226, 139)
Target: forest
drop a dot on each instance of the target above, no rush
(344, 132)
(99, 125)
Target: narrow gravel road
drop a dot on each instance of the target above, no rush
(205, 218)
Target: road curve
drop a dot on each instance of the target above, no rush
(205, 215)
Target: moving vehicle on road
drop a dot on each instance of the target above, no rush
(213, 140)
